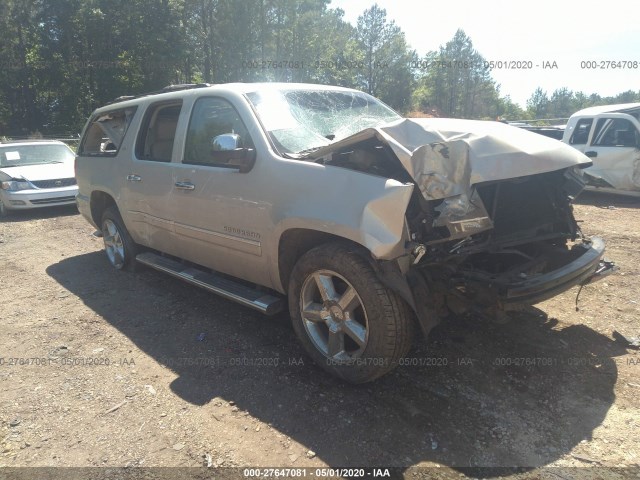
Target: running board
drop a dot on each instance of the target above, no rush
(250, 297)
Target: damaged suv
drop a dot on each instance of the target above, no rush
(367, 226)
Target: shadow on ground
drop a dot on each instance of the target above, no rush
(476, 394)
(607, 200)
(40, 213)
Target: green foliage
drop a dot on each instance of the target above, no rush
(61, 59)
(455, 81)
(563, 102)
(383, 68)
(538, 104)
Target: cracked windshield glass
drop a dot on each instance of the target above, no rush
(300, 121)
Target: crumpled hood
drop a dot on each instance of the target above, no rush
(45, 171)
(446, 157)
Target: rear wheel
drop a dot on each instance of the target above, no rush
(120, 248)
(350, 324)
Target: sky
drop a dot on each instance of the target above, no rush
(565, 32)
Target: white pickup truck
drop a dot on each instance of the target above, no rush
(610, 136)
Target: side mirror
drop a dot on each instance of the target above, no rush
(226, 151)
(226, 142)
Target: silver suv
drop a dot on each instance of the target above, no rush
(372, 225)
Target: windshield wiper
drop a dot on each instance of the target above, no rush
(309, 150)
(302, 154)
(293, 156)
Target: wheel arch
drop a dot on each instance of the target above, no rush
(295, 242)
(407, 284)
(389, 323)
(99, 202)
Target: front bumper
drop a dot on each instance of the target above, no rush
(28, 199)
(586, 268)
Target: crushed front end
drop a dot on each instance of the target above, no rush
(490, 222)
(528, 247)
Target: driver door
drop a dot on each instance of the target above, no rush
(220, 221)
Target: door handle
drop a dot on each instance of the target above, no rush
(134, 178)
(591, 154)
(185, 185)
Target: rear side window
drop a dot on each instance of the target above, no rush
(106, 132)
(581, 133)
(158, 132)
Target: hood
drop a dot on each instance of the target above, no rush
(446, 157)
(44, 171)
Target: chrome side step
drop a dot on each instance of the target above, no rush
(250, 297)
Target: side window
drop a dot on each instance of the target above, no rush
(210, 118)
(615, 132)
(158, 132)
(105, 132)
(581, 133)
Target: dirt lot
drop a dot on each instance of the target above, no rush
(139, 369)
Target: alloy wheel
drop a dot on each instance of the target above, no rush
(334, 316)
(113, 244)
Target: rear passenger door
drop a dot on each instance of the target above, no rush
(149, 177)
(220, 219)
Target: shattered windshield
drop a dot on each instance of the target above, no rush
(20, 155)
(298, 121)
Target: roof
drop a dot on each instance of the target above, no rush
(620, 107)
(172, 92)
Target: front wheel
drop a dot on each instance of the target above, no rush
(118, 245)
(350, 324)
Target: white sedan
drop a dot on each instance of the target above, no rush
(36, 174)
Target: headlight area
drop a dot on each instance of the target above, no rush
(16, 185)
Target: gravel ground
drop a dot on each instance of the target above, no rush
(105, 368)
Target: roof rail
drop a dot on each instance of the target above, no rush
(122, 98)
(185, 86)
(167, 89)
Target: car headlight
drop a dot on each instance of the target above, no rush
(15, 185)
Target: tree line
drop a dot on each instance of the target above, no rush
(60, 59)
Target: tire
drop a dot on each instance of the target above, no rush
(4, 211)
(120, 248)
(350, 324)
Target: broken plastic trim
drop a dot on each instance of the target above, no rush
(605, 268)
